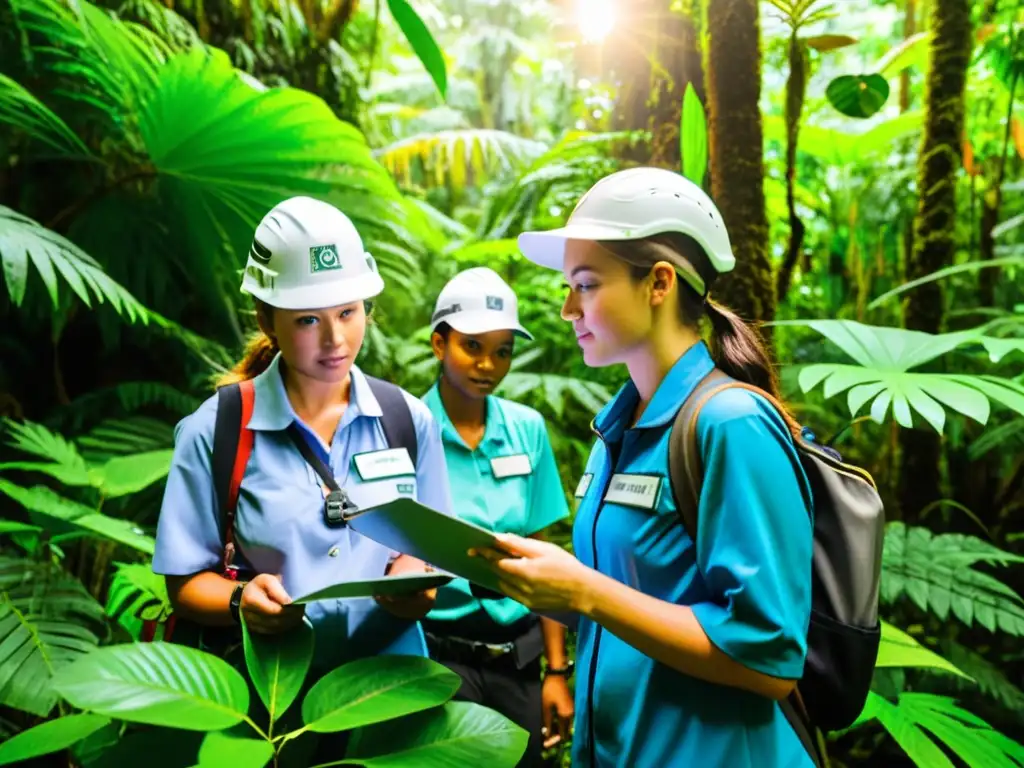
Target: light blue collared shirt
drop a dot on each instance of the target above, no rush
(747, 579)
(279, 525)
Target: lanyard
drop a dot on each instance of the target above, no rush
(337, 505)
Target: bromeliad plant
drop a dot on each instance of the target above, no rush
(398, 706)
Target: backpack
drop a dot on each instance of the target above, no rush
(232, 445)
(844, 632)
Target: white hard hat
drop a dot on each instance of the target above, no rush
(477, 300)
(307, 254)
(633, 204)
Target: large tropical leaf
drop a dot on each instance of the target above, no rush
(918, 718)
(21, 110)
(51, 736)
(24, 241)
(984, 676)
(125, 437)
(47, 620)
(222, 748)
(457, 734)
(376, 689)
(898, 649)
(935, 573)
(883, 377)
(137, 594)
(65, 463)
(65, 514)
(278, 665)
(422, 42)
(157, 684)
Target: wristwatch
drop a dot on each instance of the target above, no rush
(565, 671)
(235, 604)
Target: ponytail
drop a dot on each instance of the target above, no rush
(259, 353)
(738, 349)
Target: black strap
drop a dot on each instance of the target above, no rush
(225, 445)
(295, 433)
(396, 418)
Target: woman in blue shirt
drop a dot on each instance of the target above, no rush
(504, 478)
(685, 648)
(311, 280)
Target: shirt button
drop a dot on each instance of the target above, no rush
(333, 552)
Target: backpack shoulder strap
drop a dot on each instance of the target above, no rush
(396, 417)
(232, 445)
(684, 460)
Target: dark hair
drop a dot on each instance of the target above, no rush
(443, 330)
(260, 348)
(737, 348)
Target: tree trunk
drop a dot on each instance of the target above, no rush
(658, 55)
(735, 140)
(935, 223)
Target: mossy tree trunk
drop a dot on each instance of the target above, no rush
(657, 55)
(935, 223)
(735, 140)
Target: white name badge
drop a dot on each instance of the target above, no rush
(584, 485)
(634, 490)
(388, 463)
(511, 466)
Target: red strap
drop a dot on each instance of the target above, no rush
(245, 440)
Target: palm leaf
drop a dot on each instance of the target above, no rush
(23, 111)
(125, 437)
(24, 241)
(935, 573)
(882, 376)
(65, 463)
(47, 620)
(988, 678)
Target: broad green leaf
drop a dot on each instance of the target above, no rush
(51, 736)
(221, 749)
(158, 684)
(912, 52)
(925, 405)
(278, 665)
(860, 394)
(44, 501)
(693, 137)
(22, 240)
(901, 726)
(963, 399)
(137, 594)
(374, 689)
(457, 734)
(12, 526)
(858, 95)
(898, 649)
(422, 42)
(47, 620)
(125, 475)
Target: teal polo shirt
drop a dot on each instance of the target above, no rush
(508, 484)
(747, 579)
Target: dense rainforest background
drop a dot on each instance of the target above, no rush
(867, 156)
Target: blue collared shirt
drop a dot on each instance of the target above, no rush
(279, 525)
(509, 484)
(747, 580)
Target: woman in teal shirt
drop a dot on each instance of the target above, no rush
(684, 648)
(504, 478)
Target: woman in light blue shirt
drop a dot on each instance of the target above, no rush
(685, 648)
(504, 478)
(311, 281)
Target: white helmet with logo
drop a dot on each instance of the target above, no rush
(307, 254)
(634, 204)
(477, 300)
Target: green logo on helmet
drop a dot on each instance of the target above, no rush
(323, 257)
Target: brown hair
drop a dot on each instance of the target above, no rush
(259, 351)
(737, 348)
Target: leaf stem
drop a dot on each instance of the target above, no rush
(257, 728)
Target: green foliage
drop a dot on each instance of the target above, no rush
(422, 42)
(277, 665)
(935, 573)
(47, 621)
(136, 594)
(693, 137)
(50, 737)
(898, 649)
(858, 95)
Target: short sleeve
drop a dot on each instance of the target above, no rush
(431, 469)
(755, 536)
(188, 538)
(547, 499)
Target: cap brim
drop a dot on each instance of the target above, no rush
(483, 322)
(331, 294)
(548, 248)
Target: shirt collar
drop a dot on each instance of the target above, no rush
(681, 379)
(494, 430)
(272, 411)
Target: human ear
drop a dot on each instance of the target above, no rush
(663, 278)
(437, 344)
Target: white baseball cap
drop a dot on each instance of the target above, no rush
(477, 300)
(307, 254)
(634, 204)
